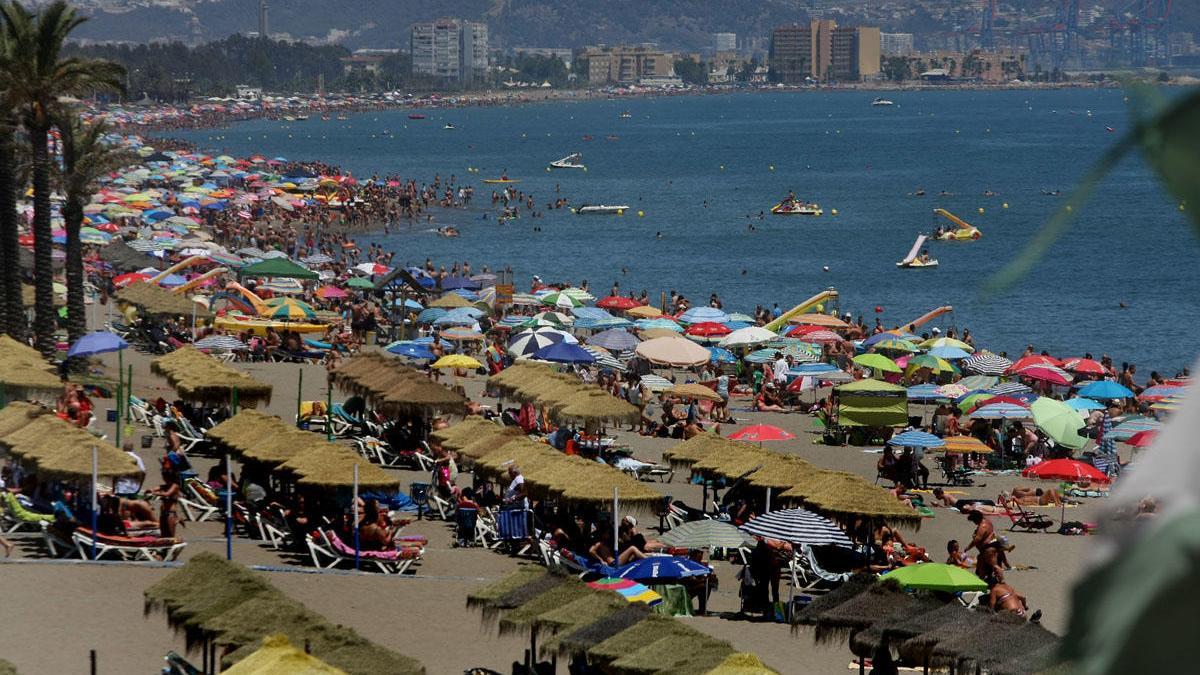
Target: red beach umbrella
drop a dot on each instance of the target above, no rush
(1142, 439)
(1033, 360)
(1046, 373)
(760, 433)
(708, 329)
(132, 277)
(822, 337)
(617, 302)
(1065, 469)
(1084, 366)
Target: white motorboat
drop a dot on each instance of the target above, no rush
(601, 210)
(572, 161)
(880, 101)
(916, 258)
(626, 115)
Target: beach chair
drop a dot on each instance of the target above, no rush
(807, 575)
(308, 419)
(17, 518)
(200, 503)
(344, 424)
(272, 527)
(513, 526)
(177, 665)
(58, 544)
(1023, 520)
(141, 410)
(148, 549)
(395, 561)
(954, 476)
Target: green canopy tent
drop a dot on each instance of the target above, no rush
(872, 403)
(277, 268)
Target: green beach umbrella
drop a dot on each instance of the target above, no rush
(877, 362)
(359, 282)
(970, 401)
(936, 577)
(934, 363)
(561, 299)
(1059, 421)
(896, 345)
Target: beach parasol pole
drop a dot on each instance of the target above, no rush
(120, 390)
(768, 508)
(95, 499)
(329, 414)
(616, 521)
(228, 508)
(193, 321)
(300, 395)
(234, 402)
(128, 393)
(355, 502)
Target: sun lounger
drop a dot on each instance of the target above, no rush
(141, 410)
(1022, 519)
(325, 544)
(807, 575)
(59, 544)
(201, 503)
(17, 518)
(151, 549)
(177, 665)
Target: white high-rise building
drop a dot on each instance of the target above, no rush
(450, 49)
(725, 42)
(896, 44)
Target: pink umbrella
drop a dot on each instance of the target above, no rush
(760, 433)
(822, 336)
(331, 292)
(1051, 374)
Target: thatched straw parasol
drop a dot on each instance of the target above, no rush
(860, 612)
(493, 593)
(196, 376)
(394, 387)
(525, 617)
(329, 465)
(22, 369)
(899, 626)
(513, 592)
(781, 472)
(695, 390)
(488, 440)
(943, 624)
(154, 299)
(669, 654)
(29, 296)
(587, 635)
(700, 447)
(204, 588)
(1044, 659)
(249, 432)
(597, 406)
(1002, 637)
(742, 663)
(642, 634)
(59, 448)
(859, 583)
(458, 434)
(278, 655)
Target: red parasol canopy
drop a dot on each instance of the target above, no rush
(1065, 469)
(129, 278)
(1046, 373)
(760, 433)
(1143, 439)
(1033, 360)
(708, 329)
(617, 302)
(1081, 365)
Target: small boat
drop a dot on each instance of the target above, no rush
(342, 118)
(416, 116)
(289, 118)
(880, 101)
(601, 210)
(915, 261)
(449, 126)
(626, 115)
(587, 137)
(572, 161)
(796, 207)
(504, 180)
(301, 118)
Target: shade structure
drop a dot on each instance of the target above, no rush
(1046, 373)
(703, 314)
(705, 534)
(615, 339)
(1065, 469)
(664, 323)
(877, 362)
(617, 302)
(1002, 411)
(663, 568)
(721, 355)
(824, 320)
(410, 349)
(1059, 421)
(797, 526)
(962, 444)
(196, 376)
(97, 342)
(628, 589)
(1085, 404)
(57, 447)
(1159, 392)
(760, 433)
(987, 363)
(450, 301)
(872, 403)
(289, 309)
(1104, 390)
(707, 331)
(644, 312)
(924, 392)
(949, 353)
(528, 342)
(946, 342)
(277, 267)
(673, 351)
(564, 352)
(695, 390)
(278, 656)
(916, 439)
(979, 381)
(1125, 430)
(1008, 388)
(931, 576)
(153, 299)
(1142, 439)
(560, 299)
(24, 372)
(457, 361)
(746, 337)
(221, 343)
(393, 386)
(603, 358)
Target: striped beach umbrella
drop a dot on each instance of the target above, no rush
(797, 527)
(656, 383)
(1008, 389)
(527, 342)
(916, 439)
(603, 358)
(1002, 411)
(616, 339)
(924, 392)
(706, 534)
(220, 343)
(986, 363)
(1125, 430)
(628, 589)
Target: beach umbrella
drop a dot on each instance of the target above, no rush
(707, 331)
(628, 589)
(721, 355)
(949, 353)
(823, 320)
(600, 324)
(617, 302)
(98, 342)
(450, 301)
(578, 294)
(695, 390)
(973, 400)
(1084, 404)
(603, 358)
(290, 310)
(655, 383)
(964, 444)
(662, 322)
(644, 312)
(457, 361)
(1033, 360)
(915, 439)
(924, 392)
(937, 343)
(431, 314)
(877, 362)
(1008, 389)
(1065, 470)
(746, 337)
(1084, 366)
(594, 313)
(797, 527)
(1142, 439)
(615, 339)
(1046, 373)
(460, 283)
(1161, 391)
(1126, 430)
(824, 337)
(370, 268)
(560, 299)
(673, 351)
(663, 568)
(933, 363)
(760, 433)
(888, 335)
(1059, 421)
(987, 363)
(703, 314)
(706, 534)
(1104, 390)
(564, 352)
(327, 292)
(462, 335)
(223, 343)
(124, 280)
(930, 576)
(412, 350)
(1002, 411)
(454, 319)
(316, 259)
(526, 343)
(547, 319)
(893, 345)
(360, 283)
(281, 285)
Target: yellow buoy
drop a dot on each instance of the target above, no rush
(572, 209)
(1181, 207)
(1068, 207)
(981, 209)
(620, 212)
(772, 167)
(833, 212)
(1005, 205)
(641, 214)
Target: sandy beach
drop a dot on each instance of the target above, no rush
(423, 615)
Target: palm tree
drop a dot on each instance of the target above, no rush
(86, 158)
(36, 77)
(11, 302)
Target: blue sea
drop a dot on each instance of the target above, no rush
(1122, 281)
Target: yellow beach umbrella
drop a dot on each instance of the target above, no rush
(457, 361)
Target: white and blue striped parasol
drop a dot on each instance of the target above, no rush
(797, 526)
(224, 343)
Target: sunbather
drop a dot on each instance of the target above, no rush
(1036, 496)
(941, 499)
(601, 551)
(168, 496)
(985, 538)
(375, 530)
(955, 556)
(1005, 598)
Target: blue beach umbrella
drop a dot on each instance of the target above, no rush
(595, 313)
(98, 342)
(564, 352)
(721, 355)
(431, 314)
(702, 314)
(1104, 389)
(1002, 411)
(615, 339)
(1080, 403)
(949, 353)
(411, 350)
(916, 439)
(924, 392)
(663, 567)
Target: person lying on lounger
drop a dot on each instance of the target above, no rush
(601, 551)
(1036, 496)
(941, 499)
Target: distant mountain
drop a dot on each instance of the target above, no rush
(675, 24)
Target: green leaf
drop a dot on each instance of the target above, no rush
(1171, 144)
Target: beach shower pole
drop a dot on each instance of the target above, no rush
(355, 503)
(228, 508)
(95, 499)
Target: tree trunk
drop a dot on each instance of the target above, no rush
(44, 320)
(11, 304)
(76, 316)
